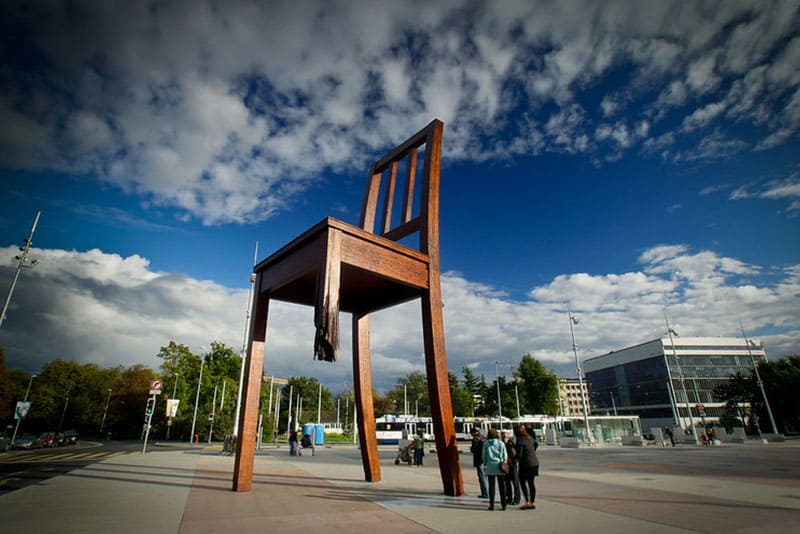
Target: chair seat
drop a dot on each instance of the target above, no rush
(375, 272)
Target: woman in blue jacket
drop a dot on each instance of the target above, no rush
(494, 454)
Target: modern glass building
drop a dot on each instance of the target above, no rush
(666, 384)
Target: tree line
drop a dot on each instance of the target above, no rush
(102, 401)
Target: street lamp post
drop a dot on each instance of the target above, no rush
(22, 258)
(499, 402)
(197, 398)
(174, 392)
(245, 338)
(105, 412)
(19, 419)
(670, 333)
(63, 413)
(749, 344)
(573, 321)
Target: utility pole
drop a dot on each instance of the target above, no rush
(749, 343)
(245, 337)
(573, 321)
(19, 419)
(105, 412)
(670, 333)
(22, 259)
(197, 398)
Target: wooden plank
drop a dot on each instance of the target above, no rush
(251, 392)
(385, 262)
(370, 203)
(362, 384)
(388, 201)
(326, 309)
(411, 175)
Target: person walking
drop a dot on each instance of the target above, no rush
(494, 454)
(293, 443)
(419, 449)
(476, 448)
(526, 447)
(512, 477)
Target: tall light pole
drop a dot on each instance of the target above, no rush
(749, 344)
(105, 411)
(245, 337)
(174, 392)
(63, 413)
(574, 321)
(670, 333)
(19, 419)
(499, 402)
(23, 259)
(197, 397)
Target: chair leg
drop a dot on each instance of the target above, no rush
(251, 392)
(439, 392)
(362, 378)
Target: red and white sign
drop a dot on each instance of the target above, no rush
(155, 384)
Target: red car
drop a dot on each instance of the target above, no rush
(48, 439)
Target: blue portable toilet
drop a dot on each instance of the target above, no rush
(308, 429)
(319, 435)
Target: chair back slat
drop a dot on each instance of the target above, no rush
(388, 200)
(407, 153)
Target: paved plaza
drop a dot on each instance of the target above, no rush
(751, 487)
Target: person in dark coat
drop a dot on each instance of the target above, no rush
(476, 448)
(512, 478)
(526, 447)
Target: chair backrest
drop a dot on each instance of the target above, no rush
(383, 195)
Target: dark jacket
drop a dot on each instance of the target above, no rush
(511, 450)
(526, 452)
(476, 448)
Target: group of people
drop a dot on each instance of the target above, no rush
(511, 465)
(296, 447)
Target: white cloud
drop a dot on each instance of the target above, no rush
(102, 308)
(227, 113)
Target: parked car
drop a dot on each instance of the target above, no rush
(48, 439)
(24, 441)
(70, 437)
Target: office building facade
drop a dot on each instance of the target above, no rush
(669, 381)
(569, 397)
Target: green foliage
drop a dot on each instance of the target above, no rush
(460, 397)
(781, 380)
(412, 388)
(538, 387)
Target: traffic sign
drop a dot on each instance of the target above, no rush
(156, 384)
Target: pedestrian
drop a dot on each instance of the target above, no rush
(494, 454)
(476, 448)
(512, 477)
(526, 447)
(668, 433)
(419, 449)
(293, 443)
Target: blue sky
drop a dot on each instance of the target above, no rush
(621, 158)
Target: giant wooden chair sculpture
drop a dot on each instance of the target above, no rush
(336, 266)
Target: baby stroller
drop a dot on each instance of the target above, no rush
(405, 452)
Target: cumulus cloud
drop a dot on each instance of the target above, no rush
(96, 307)
(229, 112)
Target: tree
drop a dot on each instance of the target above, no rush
(538, 387)
(307, 389)
(737, 393)
(472, 385)
(460, 398)
(414, 389)
(781, 380)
